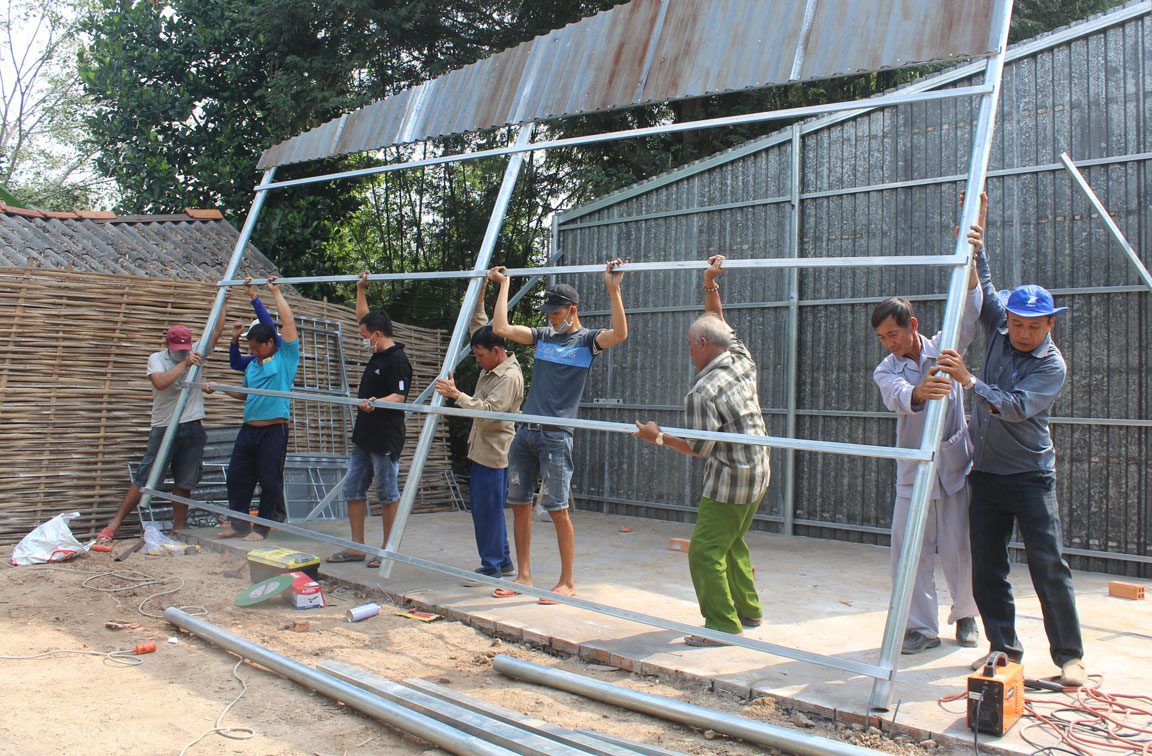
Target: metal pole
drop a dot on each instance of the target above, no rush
(882, 101)
(1107, 218)
(802, 444)
(400, 717)
(793, 340)
(761, 733)
(475, 289)
(882, 690)
(160, 464)
(917, 261)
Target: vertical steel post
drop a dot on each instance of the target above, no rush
(793, 338)
(161, 462)
(459, 333)
(882, 690)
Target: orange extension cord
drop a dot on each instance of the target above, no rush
(1093, 720)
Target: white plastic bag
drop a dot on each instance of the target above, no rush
(51, 541)
(158, 544)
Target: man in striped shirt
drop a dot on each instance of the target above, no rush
(723, 398)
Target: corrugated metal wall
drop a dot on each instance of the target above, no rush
(887, 183)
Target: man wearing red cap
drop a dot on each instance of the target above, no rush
(1013, 478)
(165, 368)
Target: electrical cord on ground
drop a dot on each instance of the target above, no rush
(120, 657)
(136, 579)
(233, 733)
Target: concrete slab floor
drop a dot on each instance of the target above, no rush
(826, 597)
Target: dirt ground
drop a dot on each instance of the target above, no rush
(69, 704)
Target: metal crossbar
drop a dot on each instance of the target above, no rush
(886, 261)
(847, 665)
(800, 444)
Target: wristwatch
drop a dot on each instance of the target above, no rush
(660, 438)
(971, 381)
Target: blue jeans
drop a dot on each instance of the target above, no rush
(363, 467)
(258, 457)
(488, 488)
(543, 454)
(1029, 499)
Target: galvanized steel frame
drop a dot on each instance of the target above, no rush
(883, 672)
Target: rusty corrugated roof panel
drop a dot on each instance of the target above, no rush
(649, 51)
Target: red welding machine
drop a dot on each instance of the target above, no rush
(996, 696)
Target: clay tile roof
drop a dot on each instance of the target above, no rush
(9, 210)
(54, 214)
(95, 214)
(201, 214)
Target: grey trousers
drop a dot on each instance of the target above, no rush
(946, 535)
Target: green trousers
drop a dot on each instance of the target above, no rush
(721, 566)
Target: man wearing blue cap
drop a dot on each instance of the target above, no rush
(1013, 476)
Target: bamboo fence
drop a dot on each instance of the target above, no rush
(75, 401)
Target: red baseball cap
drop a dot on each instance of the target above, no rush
(179, 338)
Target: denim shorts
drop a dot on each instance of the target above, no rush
(363, 467)
(186, 455)
(536, 454)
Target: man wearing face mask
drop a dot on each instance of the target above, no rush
(165, 368)
(378, 436)
(500, 388)
(1013, 478)
(564, 353)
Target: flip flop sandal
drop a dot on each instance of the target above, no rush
(548, 602)
(504, 593)
(701, 642)
(373, 563)
(343, 557)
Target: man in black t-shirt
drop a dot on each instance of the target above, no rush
(378, 435)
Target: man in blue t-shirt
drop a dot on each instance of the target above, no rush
(564, 352)
(262, 444)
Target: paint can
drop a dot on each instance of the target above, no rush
(357, 613)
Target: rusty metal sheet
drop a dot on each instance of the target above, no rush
(649, 51)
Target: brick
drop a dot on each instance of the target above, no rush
(1125, 590)
(564, 646)
(483, 624)
(535, 638)
(594, 654)
(623, 662)
(743, 690)
(509, 633)
(454, 615)
(678, 544)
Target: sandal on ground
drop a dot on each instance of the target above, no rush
(549, 602)
(701, 642)
(504, 593)
(341, 557)
(373, 563)
(228, 532)
(751, 621)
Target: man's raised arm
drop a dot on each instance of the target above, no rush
(619, 330)
(500, 325)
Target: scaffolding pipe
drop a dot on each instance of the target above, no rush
(160, 463)
(1107, 218)
(400, 717)
(831, 447)
(887, 261)
(883, 689)
(793, 356)
(882, 101)
(761, 733)
(459, 333)
(847, 665)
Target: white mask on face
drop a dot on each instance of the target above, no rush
(369, 345)
(565, 326)
(178, 356)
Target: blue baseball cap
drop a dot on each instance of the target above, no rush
(1029, 301)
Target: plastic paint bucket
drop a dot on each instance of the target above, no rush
(357, 613)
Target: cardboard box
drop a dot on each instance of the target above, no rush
(305, 592)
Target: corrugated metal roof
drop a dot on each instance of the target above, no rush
(649, 51)
(167, 246)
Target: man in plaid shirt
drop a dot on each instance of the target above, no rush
(723, 398)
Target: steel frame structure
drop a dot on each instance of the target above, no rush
(884, 671)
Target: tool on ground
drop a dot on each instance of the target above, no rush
(102, 547)
(357, 613)
(146, 647)
(265, 590)
(996, 696)
(422, 616)
(127, 552)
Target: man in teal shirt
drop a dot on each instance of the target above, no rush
(262, 444)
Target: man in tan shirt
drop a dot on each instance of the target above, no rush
(499, 389)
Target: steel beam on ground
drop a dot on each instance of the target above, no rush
(882, 689)
(1107, 218)
(400, 717)
(831, 447)
(886, 261)
(459, 334)
(835, 662)
(160, 463)
(882, 101)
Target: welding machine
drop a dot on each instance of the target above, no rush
(996, 696)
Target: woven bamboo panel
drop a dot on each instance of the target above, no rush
(75, 401)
